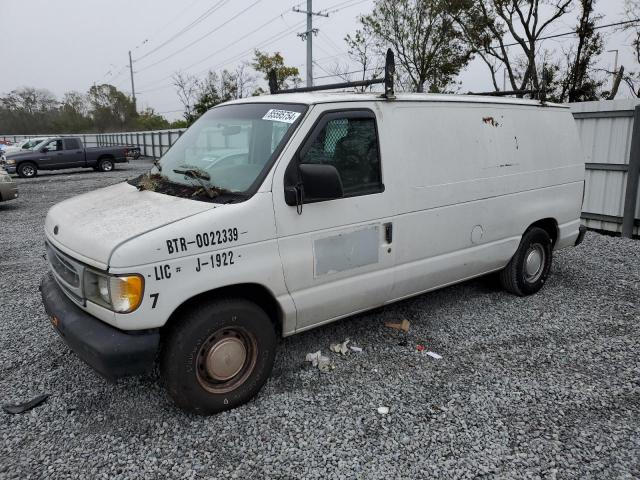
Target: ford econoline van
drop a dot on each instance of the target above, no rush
(272, 215)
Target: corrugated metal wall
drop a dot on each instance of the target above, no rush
(606, 132)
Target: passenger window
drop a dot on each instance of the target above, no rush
(350, 145)
(72, 144)
(54, 145)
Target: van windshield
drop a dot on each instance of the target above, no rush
(230, 147)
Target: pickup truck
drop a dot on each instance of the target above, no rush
(65, 152)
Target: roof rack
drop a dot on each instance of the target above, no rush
(389, 72)
(504, 93)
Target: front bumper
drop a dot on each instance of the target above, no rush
(111, 352)
(9, 168)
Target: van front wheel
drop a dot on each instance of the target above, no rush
(218, 355)
(529, 268)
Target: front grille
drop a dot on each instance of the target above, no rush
(63, 268)
(67, 272)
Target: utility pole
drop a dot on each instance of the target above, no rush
(133, 87)
(308, 36)
(615, 64)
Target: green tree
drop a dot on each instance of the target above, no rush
(150, 120)
(72, 116)
(429, 47)
(110, 108)
(265, 63)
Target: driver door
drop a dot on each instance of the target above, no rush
(337, 254)
(53, 156)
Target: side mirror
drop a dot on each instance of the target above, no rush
(321, 182)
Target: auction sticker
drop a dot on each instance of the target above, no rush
(285, 116)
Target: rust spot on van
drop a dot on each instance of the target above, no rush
(490, 121)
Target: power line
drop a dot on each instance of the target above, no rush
(266, 42)
(566, 34)
(202, 37)
(260, 44)
(210, 11)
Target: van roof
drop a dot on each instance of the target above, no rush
(310, 98)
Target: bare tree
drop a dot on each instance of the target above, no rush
(364, 51)
(632, 14)
(245, 81)
(428, 44)
(187, 90)
(491, 26)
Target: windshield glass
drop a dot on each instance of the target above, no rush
(230, 146)
(39, 144)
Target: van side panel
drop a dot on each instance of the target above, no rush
(474, 177)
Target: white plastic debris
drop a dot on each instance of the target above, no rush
(434, 355)
(355, 349)
(318, 360)
(340, 348)
(383, 410)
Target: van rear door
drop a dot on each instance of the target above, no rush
(337, 254)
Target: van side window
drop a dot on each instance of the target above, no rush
(350, 145)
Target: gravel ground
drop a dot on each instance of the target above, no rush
(545, 386)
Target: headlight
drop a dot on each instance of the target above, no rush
(11, 161)
(122, 294)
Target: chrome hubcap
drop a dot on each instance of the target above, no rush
(27, 171)
(226, 358)
(107, 166)
(534, 263)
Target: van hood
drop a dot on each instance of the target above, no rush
(91, 226)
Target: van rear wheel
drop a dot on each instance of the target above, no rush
(218, 355)
(529, 267)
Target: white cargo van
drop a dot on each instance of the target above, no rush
(272, 215)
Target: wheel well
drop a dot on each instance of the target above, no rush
(550, 226)
(254, 292)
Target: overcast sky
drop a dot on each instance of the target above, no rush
(67, 45)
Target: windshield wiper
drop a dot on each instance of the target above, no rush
(198, 175)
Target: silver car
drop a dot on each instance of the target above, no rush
(8, 188)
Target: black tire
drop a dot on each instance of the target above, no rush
(529, 268)
(27, 170)
(106, 165)
(187, 364)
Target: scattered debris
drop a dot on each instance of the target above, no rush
(490, 121)
(318, 360)
(403, 343)
(355, 349)
(420, 348)
(340, 348)
(26, 406)
(383, 410)
(434, 355)
(404, 325)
